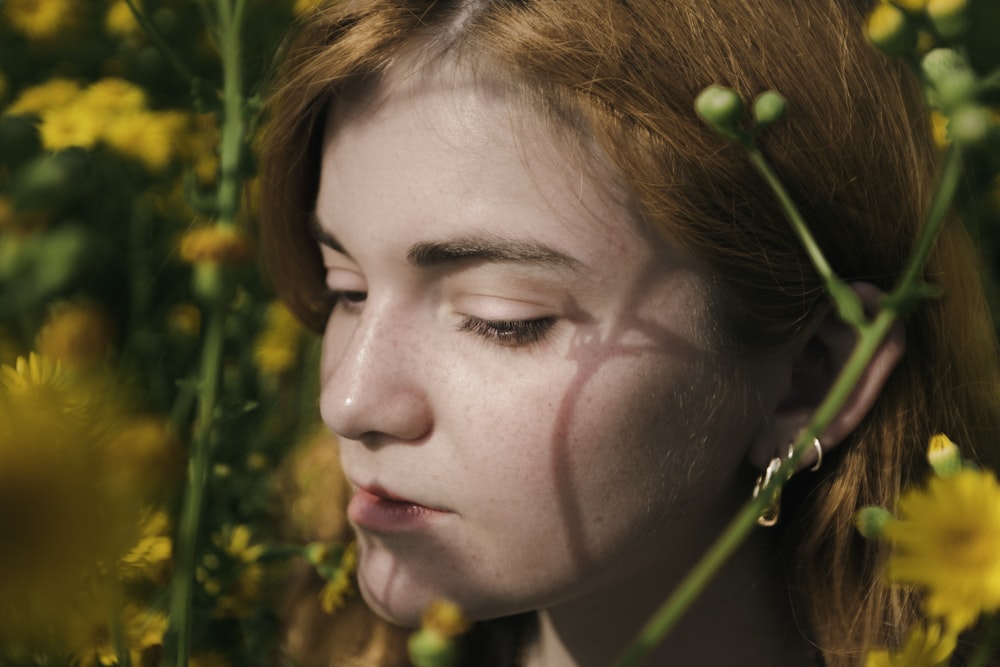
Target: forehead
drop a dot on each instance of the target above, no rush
(440, 136)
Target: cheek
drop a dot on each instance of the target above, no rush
(592, 461)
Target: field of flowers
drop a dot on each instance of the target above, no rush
(154, 399)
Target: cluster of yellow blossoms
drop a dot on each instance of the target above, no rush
(946, 543)
(77, 510)
(114, 113)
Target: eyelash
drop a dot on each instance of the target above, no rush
(349, 299)
(508, 333)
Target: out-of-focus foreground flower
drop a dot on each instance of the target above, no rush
(70, 508)
(945, 539)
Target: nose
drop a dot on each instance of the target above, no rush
(373, 384)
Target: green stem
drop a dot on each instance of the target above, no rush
(231, 148)
(182, 585)
(178, 644)
(847, 301)
(870, 337)
(730, 539)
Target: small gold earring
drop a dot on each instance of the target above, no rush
(818, 446)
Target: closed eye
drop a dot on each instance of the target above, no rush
(509, 333)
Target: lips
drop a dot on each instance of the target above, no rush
(377, 509)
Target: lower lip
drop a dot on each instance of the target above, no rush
(375, 513)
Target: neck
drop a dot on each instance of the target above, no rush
(743, 617)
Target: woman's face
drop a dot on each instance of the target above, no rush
(523, 378)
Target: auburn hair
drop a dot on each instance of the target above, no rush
(855, 153)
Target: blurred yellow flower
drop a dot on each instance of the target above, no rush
(40, 19)
(243, 586)
(73, 125)
(79, 335)
(120, 21)
(90, 636)
(57, 519)
(277, 345)
(150, 558)
(939, 129)
(214, 244)
(112, 95)
(926, 646)
(146, 136)
(340, 585)
(947, 542)
(53, 94)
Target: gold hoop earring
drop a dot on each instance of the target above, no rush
(818, 446)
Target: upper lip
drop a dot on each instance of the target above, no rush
(382, 492)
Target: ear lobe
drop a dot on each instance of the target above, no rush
(813, 372)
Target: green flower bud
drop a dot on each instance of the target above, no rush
(943, 455)
(430, 649)
(953, 80)
(871, 521)
(212, 282)
(891, 30)
(316, 553)
(949, 17)
(720, 107)
(769, 107)
(970, 125)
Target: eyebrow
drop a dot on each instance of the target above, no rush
(483, 247)
(489, 248)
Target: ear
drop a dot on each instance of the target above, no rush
(815, 367)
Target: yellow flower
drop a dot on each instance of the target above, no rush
(214, 244)
(58, 519)
(145, 136)
(243, 589)
(939, 130)
(53, 94)
(79, 335)
(120, 21)
(277, 346)
(40, 19)
(90, 639)
(340, 585)
(73, 125)
(888, 28)
(150, 558)
(40, 382)
(926, 646)
(947, 542)
(113, 95)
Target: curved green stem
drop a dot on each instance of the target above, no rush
(846, 300)
(870, 337)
